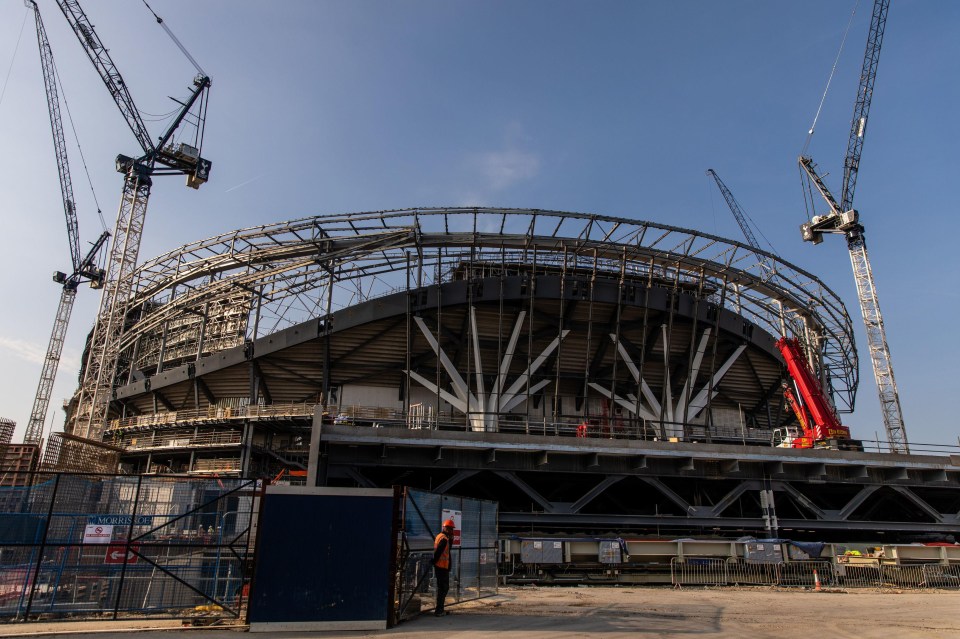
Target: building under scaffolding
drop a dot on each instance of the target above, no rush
(587, 372)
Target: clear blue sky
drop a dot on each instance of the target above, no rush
(610, 107)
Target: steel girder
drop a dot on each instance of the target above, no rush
(292, 271)
(708, 487)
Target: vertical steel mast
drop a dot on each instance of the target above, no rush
(843, 218)
(96, 389)
(84, 268)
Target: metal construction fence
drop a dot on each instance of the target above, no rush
(84, 546)
(473, 571)
(697, 571)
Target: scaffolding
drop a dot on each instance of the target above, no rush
(69, 453)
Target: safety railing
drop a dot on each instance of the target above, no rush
(805, 574)
(902, 576)
(212, 414)
(941, 577)
(182, 440)
(864, 573)
(590, 427)
(698, 571)
(741, 573)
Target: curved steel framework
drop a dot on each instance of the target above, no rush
(221, 292)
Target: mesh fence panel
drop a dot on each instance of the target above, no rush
(941, 576)
(92, 544)
(903, 576)
(694, 571)
(805, 574)
(859, 575)
(473, 557)
(741, 573)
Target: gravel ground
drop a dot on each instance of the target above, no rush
(566, 613)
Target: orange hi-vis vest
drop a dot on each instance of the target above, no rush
(444, 561)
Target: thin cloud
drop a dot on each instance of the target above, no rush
(471, 199)
(36, 353)
(23, 350)
(503, 169)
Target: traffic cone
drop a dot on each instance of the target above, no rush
(816, 581)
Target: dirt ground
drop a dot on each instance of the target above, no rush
(620, 612)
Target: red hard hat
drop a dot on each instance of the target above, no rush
(449, 523)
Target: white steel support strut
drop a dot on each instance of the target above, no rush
(482, 408)
(688, 411)
(96, 389)
(877, 343)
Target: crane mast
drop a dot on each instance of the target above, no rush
(96, 388)
(842, 218)
(84, 269)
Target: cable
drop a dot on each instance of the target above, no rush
(15, 49)
(76, 138)
(175, 41)
(754, 225)
(836, 61)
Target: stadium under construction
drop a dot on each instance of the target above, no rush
(590, 374)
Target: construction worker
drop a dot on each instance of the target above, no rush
(441, 564)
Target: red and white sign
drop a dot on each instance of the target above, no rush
(456, 516)
(117, 554)
(95, 534)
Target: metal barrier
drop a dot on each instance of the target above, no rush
(859, 575)
(902, 576)
(698, 571)
(473, 557)
(941, 576)
(805, 574)
(741, 573)
(83, 545)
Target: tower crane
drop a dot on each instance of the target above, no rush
(84, 268)
(160, 158)
(765, 264)
(842, 218)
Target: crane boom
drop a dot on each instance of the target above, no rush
(861, 107)
(100, 370)
(843, 218)
(84, 269)
(104, 65)
(824, 421)
(59, 142)
(741, 218)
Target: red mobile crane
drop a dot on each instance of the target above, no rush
(818, 419)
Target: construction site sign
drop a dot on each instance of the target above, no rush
(456, 516)
(119, 520)
(118, 554)
(97, 534)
